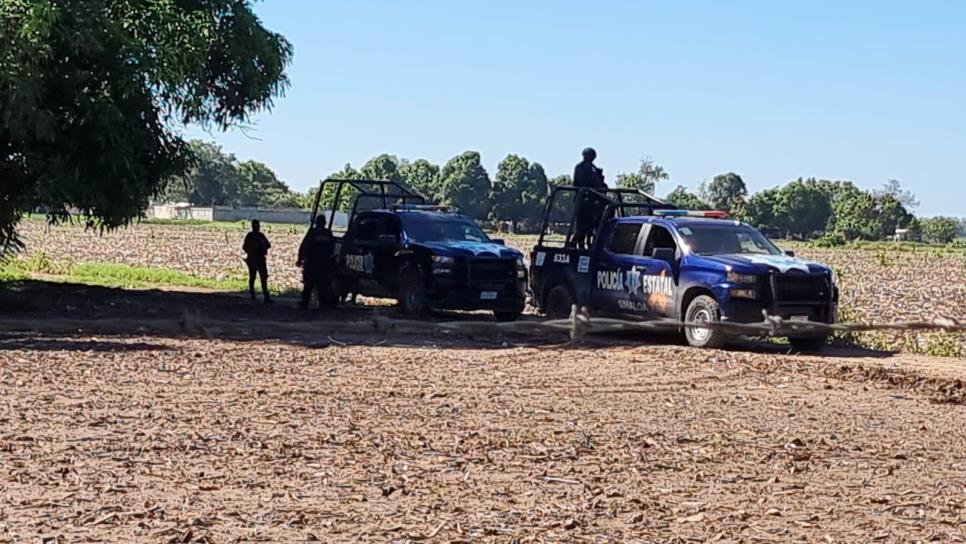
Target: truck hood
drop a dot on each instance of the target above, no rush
(763, 263)
(454, 248)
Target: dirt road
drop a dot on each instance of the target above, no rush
(153, 439)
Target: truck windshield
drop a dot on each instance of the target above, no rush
(439, 229)
(726, 240)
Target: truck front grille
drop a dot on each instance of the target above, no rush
(494, 270)
(794, 289)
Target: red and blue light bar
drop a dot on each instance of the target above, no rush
(714, 214)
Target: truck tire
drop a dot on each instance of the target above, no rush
(412, 292)
(559, 303)
(505, 316)
(808, 344)
(703, 309)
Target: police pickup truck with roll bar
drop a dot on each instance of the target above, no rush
(649, 260)
(399, 246)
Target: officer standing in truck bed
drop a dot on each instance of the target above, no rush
(587, 174)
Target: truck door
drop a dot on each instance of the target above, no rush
(385, 251)
(616, 288)
(358, 266)
(658, 280)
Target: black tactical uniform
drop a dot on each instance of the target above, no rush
(589, 209)
(315, 258)
(256, 248)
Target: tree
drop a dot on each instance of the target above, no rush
(563, 204)
(259, 186)
(648, 175)
(894, 188)
(724, 192)
(681, 198)
(803, 209)
(854, 215)
(212, 178)
(465, 185)
(891, 214)
(423, 177)
(763, 211)
(519, 191)
(939, 230)
(92, 93)
(382, 167)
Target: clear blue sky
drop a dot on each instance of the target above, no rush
(864, 91)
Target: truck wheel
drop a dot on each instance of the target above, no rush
(809, 344)
(504, 316)
(703, 309)
(412, 292)
(559, 302)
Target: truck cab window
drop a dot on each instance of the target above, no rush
(364, 229)
(659, 237)
(624, 238)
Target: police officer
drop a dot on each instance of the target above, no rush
(256, 247)
(587, 175)
(315, 258)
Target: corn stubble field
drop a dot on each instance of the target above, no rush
(140, 437)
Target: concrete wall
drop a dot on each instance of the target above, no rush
(221, 213)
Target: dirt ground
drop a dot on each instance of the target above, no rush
(140, 435)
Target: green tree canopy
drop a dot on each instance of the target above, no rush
(648, 175)
(894, 188)
(519, 191)
(802, 210)
(91, 90)
(681, 198)
(382, 167)
(465, 185)
(259, 186)
(724, 192)
(423, 177)
(939, 230)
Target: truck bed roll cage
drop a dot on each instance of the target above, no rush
(390, 194)
(618, 202)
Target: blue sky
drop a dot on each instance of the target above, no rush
(864, 91)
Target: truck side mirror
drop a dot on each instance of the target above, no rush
(665, 254)
(789, 252)
(498, 241)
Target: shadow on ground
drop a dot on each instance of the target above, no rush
(62, 310)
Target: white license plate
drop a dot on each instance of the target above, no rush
(798, 318)
(488, 295)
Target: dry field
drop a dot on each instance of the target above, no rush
(290, 427)
(875, 285)
(154, 439)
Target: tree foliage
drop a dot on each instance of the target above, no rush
(648, 175)
(423, 177)
(894, 188)
(215, 178)
(465, 185)
(90, 91)
(724, 192)
(519, 191)
(939, 230)
(681, 198)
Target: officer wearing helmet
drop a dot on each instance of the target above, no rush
(589, 210)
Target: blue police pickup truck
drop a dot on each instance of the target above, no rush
(649, 261)
(397, 246)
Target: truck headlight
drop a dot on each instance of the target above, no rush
(441, 260)
(744, 293)
(735, 277)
